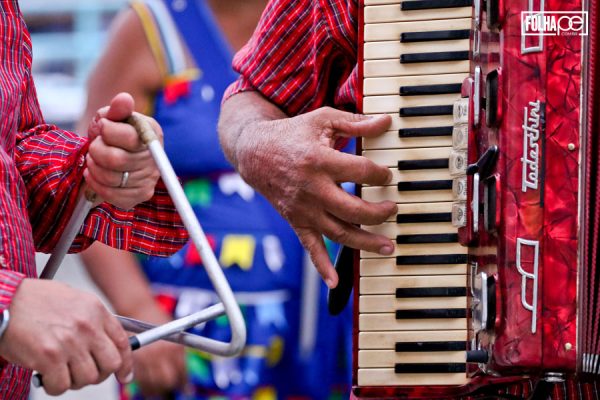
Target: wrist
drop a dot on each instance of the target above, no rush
(255, 150)
(243, 149)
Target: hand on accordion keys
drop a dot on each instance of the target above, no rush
(294, 164)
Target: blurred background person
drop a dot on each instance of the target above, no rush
(175, 58)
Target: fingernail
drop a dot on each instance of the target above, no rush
(95, 126)
(386, 250)
(390, 177)
(128, 378)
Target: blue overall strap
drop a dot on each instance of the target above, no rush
(204, 40)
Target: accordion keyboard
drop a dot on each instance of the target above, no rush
(412, 307)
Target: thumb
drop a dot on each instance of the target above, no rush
(361, 125)
(121, 107)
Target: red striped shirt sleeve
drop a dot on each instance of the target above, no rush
(51, 162)
(9, 282)
(294, 59)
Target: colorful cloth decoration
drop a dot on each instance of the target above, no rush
(237, 250)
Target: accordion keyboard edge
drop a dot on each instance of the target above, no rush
(487, 147)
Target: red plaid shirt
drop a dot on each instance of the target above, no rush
(41, 169)
(303, 56)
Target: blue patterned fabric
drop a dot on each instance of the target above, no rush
(258, 250)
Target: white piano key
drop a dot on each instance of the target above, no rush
(423, 208)
(419, 122)
(393, 49)
(389, 303)
(392, 140)
(391, 157)
(391, 85)
(420, 249)
(419, 175)
(387, 340)
(393, 31)
(388, 358)
(390, 11)
(387, 267)
(380, 68)
(392, 103)
(391, 193)
(392, 229)
(388, 377)
(388, 322)
(389, 284)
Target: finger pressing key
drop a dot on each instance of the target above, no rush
(347, 234)
(346, 167)
(355, 210)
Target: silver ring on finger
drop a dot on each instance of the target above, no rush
(124, 179)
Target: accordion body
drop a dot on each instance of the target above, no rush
(495, 154)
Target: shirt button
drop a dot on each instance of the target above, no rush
(3, 262)
(81, 161)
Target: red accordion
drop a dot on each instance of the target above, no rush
(495, 157)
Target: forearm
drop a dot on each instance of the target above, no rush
(237, 114)
(119, 276)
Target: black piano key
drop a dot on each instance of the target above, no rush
(432, 314)
(411, 37)
(430, 346)
(424, 217)
(479, 357)
(433, 163)
(438, 56)
(428, 238)
(429, 368)
(423, 90)
(426, 111)
(423, 132)
(432, 259)
(424, 185)
(453, 291)
(429, 4)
